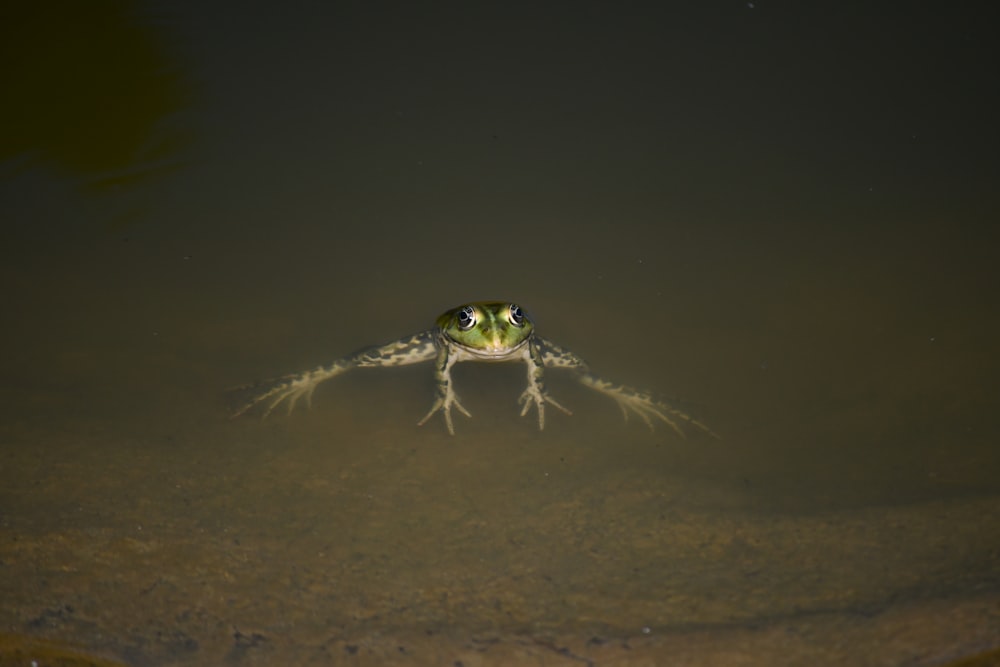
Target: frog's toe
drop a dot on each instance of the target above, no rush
(445, 405)
(649, 422)
(301, 388)
(447, 414)
(539, 399)
(529, 398)
(648, 410)
(560, 406)
(282, 389)
(666, 420)
(461, 408)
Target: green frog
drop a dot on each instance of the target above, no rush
(491, 331)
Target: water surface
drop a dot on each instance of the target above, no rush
(766, 214)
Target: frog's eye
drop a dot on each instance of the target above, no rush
(466, 318)
(515, 316)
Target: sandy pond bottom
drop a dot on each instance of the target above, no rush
(263, 545)
(952, 633)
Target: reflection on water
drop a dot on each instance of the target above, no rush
(841, 344)
(89, 89)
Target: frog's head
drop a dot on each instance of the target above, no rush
(489, 329)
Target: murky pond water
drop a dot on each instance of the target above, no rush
(756, 211)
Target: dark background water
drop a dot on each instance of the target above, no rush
(780, 215)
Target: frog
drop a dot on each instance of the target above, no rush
(481, 331)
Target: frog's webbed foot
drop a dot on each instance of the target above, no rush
(291, 388)
(644, 405)
(410, 350)
(444, 404)
(533, 395)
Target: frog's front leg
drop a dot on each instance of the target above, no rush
(290, 388)
(446, 396)
(535, 392)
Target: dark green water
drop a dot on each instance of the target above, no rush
(767, 213)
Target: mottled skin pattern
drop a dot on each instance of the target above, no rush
(492, 331)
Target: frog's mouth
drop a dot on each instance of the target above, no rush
(492, 350)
